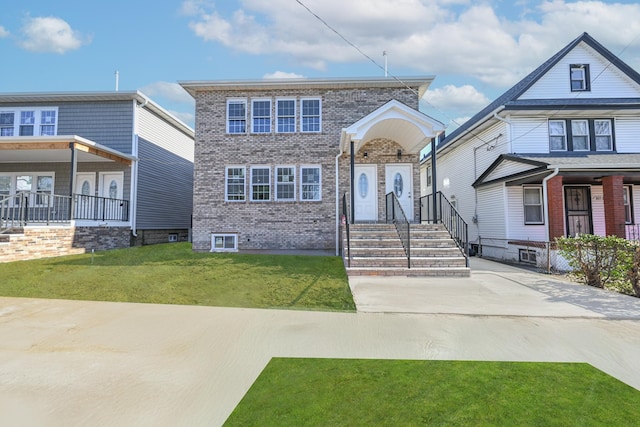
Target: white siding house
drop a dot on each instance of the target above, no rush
(555, 155)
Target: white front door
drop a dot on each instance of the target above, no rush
(365, 193)
(85, 189)
(111, 185)
(399, 179)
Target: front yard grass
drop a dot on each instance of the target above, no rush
(173, 274)
(339, 392)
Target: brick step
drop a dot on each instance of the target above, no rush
(410, 272)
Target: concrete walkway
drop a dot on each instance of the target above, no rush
(78, 363)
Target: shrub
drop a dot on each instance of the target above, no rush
(598, 260)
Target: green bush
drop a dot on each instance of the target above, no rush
(602, 261)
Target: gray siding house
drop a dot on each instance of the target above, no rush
(276, 160)
(91, 170)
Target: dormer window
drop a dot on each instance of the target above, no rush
(580, 77)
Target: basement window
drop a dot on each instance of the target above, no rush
(173, 237)
(528, 256)
(224, 243)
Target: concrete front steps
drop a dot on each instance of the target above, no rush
(376, 250)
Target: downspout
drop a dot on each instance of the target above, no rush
(134, 168)
(353, 174)
(338, 205)
(545, 201)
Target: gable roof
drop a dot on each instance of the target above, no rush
(394, 120)
(510, 97)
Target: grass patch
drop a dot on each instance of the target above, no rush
(173, 274)
(339, 392)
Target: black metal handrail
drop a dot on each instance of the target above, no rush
(396, 215)
(345, 221)
(27, 207)
(441, 211)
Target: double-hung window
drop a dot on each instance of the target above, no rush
(27, 123)
(557, 135)
(286, 115)
(310, 183)
(603, 134)
(579, 76)
(628, 206)
(310, 115)
(7, 123)
(260, 183)
(48, 122)
(261, 116)
(533, 205)
(285, 183)
(580, 135)
(235, 183)
(236, 116)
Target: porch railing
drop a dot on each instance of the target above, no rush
(396, 215)
(25, 208)
(345, 221)
(632, 232)
(441, 211)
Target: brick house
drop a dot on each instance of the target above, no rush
(274, 159)
(555, 155)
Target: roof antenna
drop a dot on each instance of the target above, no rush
(384, 54)
(117, 73)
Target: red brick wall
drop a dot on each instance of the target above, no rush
(612, 187)
(556, 207)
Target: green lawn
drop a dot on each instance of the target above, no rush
(173, 274)
(338, 392)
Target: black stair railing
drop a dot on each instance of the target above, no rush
(442, 211)
(396, 215)
(345, 222)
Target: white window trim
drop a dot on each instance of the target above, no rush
(610, 134)
(629, 194)
(524, 205)
(237, 101)
(253, 116)
(319, 167)
(253, 168)
(223, 235)
(587, 135)
(564, 126)
(275, 181)
(302, 116)
(585, 77)
(37, 126)
(226, 183)
(34, 175)
(295, 122)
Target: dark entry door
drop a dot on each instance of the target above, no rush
(578, 209)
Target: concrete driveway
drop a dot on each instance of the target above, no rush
(77, 363)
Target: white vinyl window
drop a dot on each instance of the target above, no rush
(580, 135)
(260, 184)
(261, 116)
(224, 243)
(39, 183)
(34, 121)
(628, 206)
(236, 116)
(310, 115)
(286, 114)
(603, 135)
(532, 201)
(579, 75)
(557, 135)
(285, 183)
(235, 184)
(310, 183)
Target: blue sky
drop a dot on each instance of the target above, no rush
(475, 49)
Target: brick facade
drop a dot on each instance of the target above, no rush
(614, 215)
(43, 242)
(276, 224)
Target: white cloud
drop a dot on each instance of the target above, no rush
(50, 34)
(3, 32)
(282, 75)
(188, 118)
(463, 98)
(442, 37)
(170, 91)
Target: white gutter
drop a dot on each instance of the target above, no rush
(338, 205)
(545, 201)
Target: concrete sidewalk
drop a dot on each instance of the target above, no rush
(494, 289)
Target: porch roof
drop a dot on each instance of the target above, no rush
(29, 149)
(516, 169)
(410, 128)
